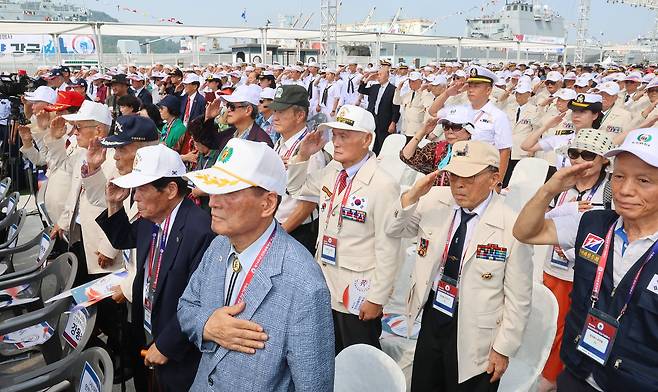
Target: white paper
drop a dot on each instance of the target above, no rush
(30, 336)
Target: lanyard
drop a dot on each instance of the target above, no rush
(478, 117)
(600, 270)
(169, 126)
(592, 191)
(153, 280)
(348, 188)
(294, 146)
(254, 267)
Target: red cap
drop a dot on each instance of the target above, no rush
(65, 100)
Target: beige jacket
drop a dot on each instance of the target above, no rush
(90, 206)
(413, 111)
(522, 128)
(617, 120)
(494, 297)
(364, 250)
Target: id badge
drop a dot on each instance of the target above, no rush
(147, 316)
(445, 300)
(558, 261)
(328, 254)
(126, 257)
(598, 336)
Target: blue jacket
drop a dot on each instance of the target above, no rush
(188, 239)
(198, 106)
(633, 362)
(289, 298)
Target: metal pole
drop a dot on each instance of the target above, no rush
(298, 51)
(601, 55)
(459, 49)
(265, 47)
(379, 47)
(394, 58)
(197, 55)
(518, 52)
(99, 55)
(488, 54)
(438, 53)
(262, 44)
(58, 51)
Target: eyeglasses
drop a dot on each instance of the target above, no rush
(550, 82)
(471, 180)
(232, 106)
(448, 126)
(586, 155)
(79, 127)
(264, 100)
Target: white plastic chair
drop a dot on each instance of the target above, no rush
(526, 366)
(392, 145)
(362, 368)
(529, 174)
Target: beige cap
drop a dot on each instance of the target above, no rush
(470, 157)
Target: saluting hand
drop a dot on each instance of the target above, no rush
(57, 127)
(115, 196)
(566, 178)
(234, 334)
(95, 154)
(312, 143)
(26, 135)
(43, 119)
(556, 120)
(419, 189)
(213, 110)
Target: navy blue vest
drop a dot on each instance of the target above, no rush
(633, 362)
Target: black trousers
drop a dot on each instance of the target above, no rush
(307, 235)
(435, 360)
(567, 382)
(349, 330)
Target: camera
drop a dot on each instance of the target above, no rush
(12, 87)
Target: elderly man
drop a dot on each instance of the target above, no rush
(355, 253)
(242, 110)
(380, 104)
(297, 215)
(472, 279)
(120, 86)
(610, 332)
(193, 104)
(170, 237)
(491, 123)
(257, 307)
(138, 83)
(411, 103)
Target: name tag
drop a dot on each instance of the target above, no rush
(598, 336)
(126, 256)
(557, 260)
(612, 129)
(445, 300)
(75, 327)
(328, 254)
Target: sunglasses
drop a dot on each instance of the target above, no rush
(550, 82)
(264, 100)
(448, 126)
(231, 106)
(586, 155)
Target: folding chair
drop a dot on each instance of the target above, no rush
(23, 256)
(4, 187)
(19, 364)
(8, 208)
(15, 224)
(41, 205)
(70, 371)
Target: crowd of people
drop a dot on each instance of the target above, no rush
(262, 232)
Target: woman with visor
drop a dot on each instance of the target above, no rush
(592, 191)
(456, 124)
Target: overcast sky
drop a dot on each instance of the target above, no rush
(609, 22)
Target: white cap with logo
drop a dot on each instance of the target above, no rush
(152, 163)
(242, 164)
(191, 78)
(91, 111)
(250, 94)
(643, 143)
(352, 118)
(610, 88)
(42, 93)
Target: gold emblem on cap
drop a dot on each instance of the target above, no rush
(463, 152)
(474, 72)
(207, 179)
(138, 158)
(580, 98)
(226, 154)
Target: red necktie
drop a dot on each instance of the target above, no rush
(342, 181)
(187, 110)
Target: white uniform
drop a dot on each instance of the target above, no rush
(492, 126)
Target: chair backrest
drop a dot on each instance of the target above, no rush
(41, 204)
(8, 207)
(529, 174)
(41, 244)
(393, 166)
(4, 186)
(381, 374)
(15, 222)
(527, 364)
(97, 360)
(392, 145)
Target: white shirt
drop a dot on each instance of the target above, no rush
(470, 226)
(246, 258)
(492, 126)
(315, 163)
(352, 170)
(172, 219)
(380, 93)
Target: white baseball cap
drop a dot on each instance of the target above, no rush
(43, 94)
(610, 88)
(458, 115)
(582, 82)
(352, 118)
(634, 77)
(653, 83)
(643, 143)
(250, 94)
(191, 78)
(570, 76)
(90, 110)
(523, 87)
(152, 163)
(242, 164)
(413, 76)
(566, 94)
(267, 93)
(554, 76)
(439, 80)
